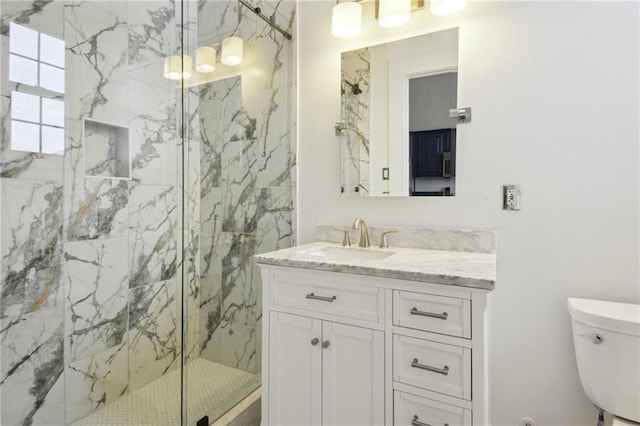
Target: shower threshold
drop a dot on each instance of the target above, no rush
(212, 389)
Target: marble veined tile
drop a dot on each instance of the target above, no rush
(96, 291)
(210, 253)
(95, 381)
(239, 294)
(153, 145)
(239, 194)
(32, 352)
(275, 134)
(211, 145)
(154, 332)
(31, 245)
(238, 347)
(228, 302)
(230, 18)
(152, 233)
(274, 55)
(97, 43)
(275, 226)
(98, 210)
(210, 316)
(153, 34)
(211, 211)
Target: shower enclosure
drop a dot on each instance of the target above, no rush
(131, 204)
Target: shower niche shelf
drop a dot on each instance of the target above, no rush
(106, 150)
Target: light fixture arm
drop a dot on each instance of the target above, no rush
(270, 21)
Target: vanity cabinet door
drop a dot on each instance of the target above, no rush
(295, 370)
(353, 375)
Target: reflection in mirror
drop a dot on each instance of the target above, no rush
(397, 137)
(355, 97)
(432, 134)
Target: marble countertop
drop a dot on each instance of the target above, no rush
(465, 269)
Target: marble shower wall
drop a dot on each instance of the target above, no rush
(247, 169)
(89, 305)
(356, 70)
(90, 268)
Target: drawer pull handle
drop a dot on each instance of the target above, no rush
(415, 311)
(323, 298)
(325, 344)
(415, 422)
(444, 371)
(315, 341)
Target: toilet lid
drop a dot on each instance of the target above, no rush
(617, 421)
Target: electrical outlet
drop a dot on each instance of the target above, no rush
(511, 197)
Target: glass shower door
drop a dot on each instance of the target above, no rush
(239, 196)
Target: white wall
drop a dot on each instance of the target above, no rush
(554, 91)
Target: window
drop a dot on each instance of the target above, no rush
(36, 62)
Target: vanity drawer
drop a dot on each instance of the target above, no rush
(335, 296)
(437, 314)
(413, 410)
(432, 366)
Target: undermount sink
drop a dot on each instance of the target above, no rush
(347, 253)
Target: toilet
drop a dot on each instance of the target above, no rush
(606, 337)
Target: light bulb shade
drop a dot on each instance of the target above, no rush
(232, 51)
(393, 13)
(447, 7)
(205, 59)
(346, 20)
(173, 67)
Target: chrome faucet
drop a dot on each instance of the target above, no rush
(364, 233)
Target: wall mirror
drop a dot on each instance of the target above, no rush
(396, 135)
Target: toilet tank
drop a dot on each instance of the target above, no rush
(606, 337)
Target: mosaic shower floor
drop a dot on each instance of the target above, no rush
(209, 385)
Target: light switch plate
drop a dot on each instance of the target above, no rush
(511, 197)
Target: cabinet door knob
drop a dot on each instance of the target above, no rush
(325, 344)
(315, 341)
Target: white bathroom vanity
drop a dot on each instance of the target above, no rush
(375, 336)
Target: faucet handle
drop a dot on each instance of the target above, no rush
(383, 240)
(346, 240)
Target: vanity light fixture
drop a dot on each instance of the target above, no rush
(205, 59)
(232, 51)
(447, 7)
(346, 19)
(178, 67)
(393, 13)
